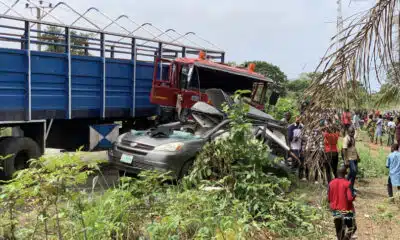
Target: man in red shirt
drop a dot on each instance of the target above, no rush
(331, 137)
(340, 198)
(346, 121)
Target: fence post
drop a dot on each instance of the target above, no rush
(134, 60)
(112, 51)
(103, 92)
(86, 49)
(27, 47)
(68, 52)
(183, 52)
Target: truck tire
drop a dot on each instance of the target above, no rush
(21, 150)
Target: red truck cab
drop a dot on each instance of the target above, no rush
(183, 81)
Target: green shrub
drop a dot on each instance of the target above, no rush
(283, 106)
(45, 201)
(236, 163)
(371, 164)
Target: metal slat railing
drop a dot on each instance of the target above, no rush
(92, 43)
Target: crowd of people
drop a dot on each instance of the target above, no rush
(318, 149)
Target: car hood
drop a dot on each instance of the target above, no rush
(142, 138)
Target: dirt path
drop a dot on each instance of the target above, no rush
(377, 218)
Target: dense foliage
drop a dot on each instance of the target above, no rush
(285, 105)
(273, 72)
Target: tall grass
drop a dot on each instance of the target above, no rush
(373, 160)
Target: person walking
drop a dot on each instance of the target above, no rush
(393, 164)
(356, 123)
(391, 129)
(295, 140)
(341, 198)
(379, 130)
(398, 130)
(346, 121)
(371, 128)
(331, 137)
(350, 156)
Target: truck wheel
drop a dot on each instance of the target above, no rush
(21, 150)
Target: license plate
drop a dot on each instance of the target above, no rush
(126, 159)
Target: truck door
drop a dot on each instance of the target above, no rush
(164, 89)
(190, 86)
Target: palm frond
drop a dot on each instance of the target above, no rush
(390, 95)
(364, 46)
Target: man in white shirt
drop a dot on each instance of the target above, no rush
(295, 140)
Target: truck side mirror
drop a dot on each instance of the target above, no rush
(273, 99)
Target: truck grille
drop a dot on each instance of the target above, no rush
(130, 150)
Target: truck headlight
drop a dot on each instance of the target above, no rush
(170, 147)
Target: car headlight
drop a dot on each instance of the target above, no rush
(120, 137)
(170, 147)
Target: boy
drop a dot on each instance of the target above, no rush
(351, 157)
(340, 198)
(393, 163)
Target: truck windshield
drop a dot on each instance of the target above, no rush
(186, 77)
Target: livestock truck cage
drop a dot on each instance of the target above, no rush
(64, 86)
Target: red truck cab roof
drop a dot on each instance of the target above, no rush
(244, 72)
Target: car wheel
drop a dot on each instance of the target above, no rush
(186, 168)
(19, 150)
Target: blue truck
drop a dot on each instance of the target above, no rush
(72, 93)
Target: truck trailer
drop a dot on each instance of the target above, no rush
(66, 89)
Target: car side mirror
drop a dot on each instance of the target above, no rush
(273, 99)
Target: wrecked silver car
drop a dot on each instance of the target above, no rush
(174, 146)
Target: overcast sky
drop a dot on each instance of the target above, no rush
(292, 34)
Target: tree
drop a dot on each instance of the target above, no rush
(390, 91)
(298, 85)
(273, 72)
(283, 106)
(55, 35)
(357, 95)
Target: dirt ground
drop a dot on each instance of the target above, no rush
(376, 216)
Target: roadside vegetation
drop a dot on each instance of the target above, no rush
(229, 194)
